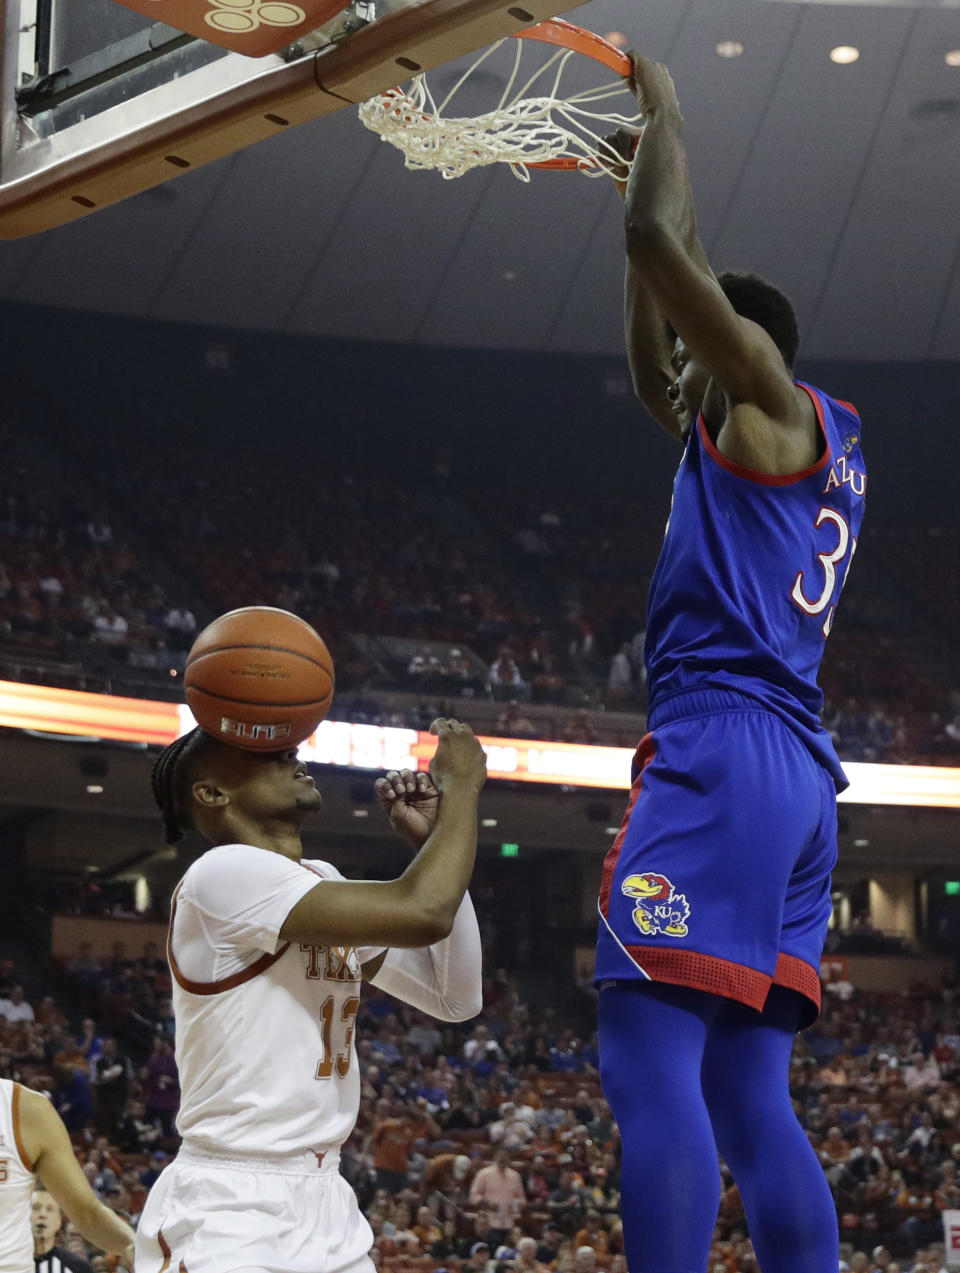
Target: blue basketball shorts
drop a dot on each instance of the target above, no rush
(719, 878)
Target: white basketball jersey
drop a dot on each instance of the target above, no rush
(16, 1186)
(264, 1041)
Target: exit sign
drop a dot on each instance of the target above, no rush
(513, 851)
(952, 888)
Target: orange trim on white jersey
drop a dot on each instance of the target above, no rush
(18, 1140)
(227, 983)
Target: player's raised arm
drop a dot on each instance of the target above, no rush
(660, 231)
(48, 1145)
(648, 336)
(421, 906)
(444, 979)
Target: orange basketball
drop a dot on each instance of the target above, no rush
(259, 678)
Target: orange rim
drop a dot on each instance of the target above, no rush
(568, 36)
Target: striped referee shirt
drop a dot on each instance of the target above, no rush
(59, 1260)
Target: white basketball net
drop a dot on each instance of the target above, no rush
(520, 130)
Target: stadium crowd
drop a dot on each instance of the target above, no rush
(457, 595)
(488, 1147)
(71, 586)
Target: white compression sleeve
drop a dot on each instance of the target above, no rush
(443, 980)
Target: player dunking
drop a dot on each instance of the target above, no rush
(716, 892)
(267, 953)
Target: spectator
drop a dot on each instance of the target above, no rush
(48, 1014)
(593, 1234)
(480, 1234)
(423, 1034)
(504, 680)
(90, 1043)
(565, 1056)
(448, 1174)
(427, 1230)
(16, 1007)
(162, 1087)
(150, 964)
(111, 1081)
(480, 1048)
(866, 1158)
(586, 1260)
(579, 729)
(180, 619)
(72, 1098)
(135, 1135)
(511, 723)
(499, 1187)
(620, 678)
(83, 966)
(392, 1141)
(479, 1255)
(527, 1257)
(548, 1247)
(151, 1174)
(511, 1130)
(564, 1201)
(110, 627)
(922, 1072)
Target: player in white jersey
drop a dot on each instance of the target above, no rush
(267, 953)
(34, 1141)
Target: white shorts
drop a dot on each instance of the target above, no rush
(209, 1213)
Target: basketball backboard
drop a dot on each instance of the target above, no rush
(99, 102)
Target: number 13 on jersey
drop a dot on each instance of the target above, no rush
(341, 1061)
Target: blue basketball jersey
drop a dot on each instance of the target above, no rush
(748, 580)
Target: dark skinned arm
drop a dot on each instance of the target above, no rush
(442, 979)
(663, 249)
(419, 908)
(649, 347)
(649, 340)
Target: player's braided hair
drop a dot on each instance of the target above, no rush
(165, 780)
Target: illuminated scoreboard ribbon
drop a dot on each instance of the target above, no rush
(76, 713)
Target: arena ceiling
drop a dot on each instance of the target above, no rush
(842, 182)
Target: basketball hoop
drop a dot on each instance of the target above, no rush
(550, 131)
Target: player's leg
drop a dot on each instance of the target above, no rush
(652, 1039)
(693, 893)
(746, 1084)
(746, 1068)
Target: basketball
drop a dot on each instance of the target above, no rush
(259, 678)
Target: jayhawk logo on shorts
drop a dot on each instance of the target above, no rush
(658, 907)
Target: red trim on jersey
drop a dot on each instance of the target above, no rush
(646, 750)
(797, 974)
(227, 983)
(17, 1139)
(703, 972)
(770, 479)
(849, 406)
